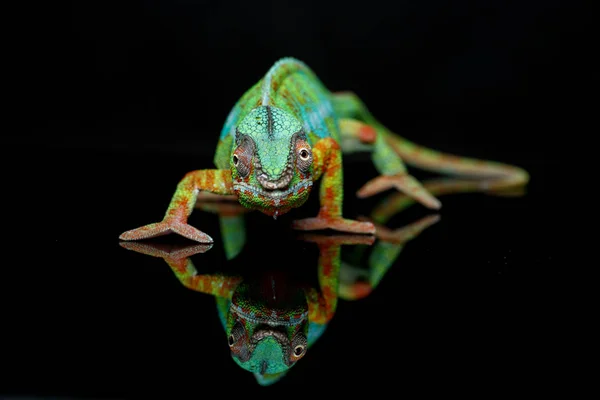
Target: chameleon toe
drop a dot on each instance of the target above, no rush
(146, 232)
(164, 228)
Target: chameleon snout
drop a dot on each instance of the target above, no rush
(273, 184)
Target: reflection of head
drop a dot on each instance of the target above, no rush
(267, 327)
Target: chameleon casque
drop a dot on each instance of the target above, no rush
(287, 132)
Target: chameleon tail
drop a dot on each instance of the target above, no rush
(496, 176)
(492, 176)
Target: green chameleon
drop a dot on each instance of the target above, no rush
(287, 132)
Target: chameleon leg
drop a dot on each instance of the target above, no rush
(327, 164)
(388, 163)
(182, 204)
(232, 224)
(499, 177)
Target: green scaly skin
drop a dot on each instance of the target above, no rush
(287, 132)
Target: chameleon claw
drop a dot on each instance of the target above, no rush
(337, 224)
(402, 182)
(164, 228)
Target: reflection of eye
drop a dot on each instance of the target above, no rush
(304, 154)
(298, 345)
(298, 350)
(236, 333)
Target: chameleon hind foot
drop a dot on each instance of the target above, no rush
(336, 224)
(166, 227)
(402, 182)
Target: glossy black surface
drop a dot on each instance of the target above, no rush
(86, 317)
(130, 98)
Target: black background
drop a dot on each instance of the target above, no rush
(114, 102)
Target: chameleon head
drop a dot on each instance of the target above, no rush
(271, 163)
(267, 327)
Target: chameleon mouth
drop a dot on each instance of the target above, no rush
(276, 194)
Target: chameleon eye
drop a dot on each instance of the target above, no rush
(304, 159)
(299, 350)
(304, 155)
(242, 157)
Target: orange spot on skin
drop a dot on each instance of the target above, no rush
(367, 134)
(329, 192)
(361, 289)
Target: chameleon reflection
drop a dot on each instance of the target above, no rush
(271, 321)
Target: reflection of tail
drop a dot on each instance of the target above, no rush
(495, 176)
(396, 202)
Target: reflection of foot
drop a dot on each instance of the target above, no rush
(407, 232)
(402, 182)
(321, 238)
(337, 224)
(166, 227)
(161, 250)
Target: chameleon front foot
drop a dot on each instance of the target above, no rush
(164, 228)
(402, 182)
(337, 224)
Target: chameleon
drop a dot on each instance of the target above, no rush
(287, 134)
(270, 319)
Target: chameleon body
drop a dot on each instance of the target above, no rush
(287, 132)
